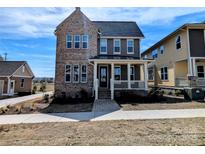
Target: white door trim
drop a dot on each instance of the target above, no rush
(103, 65)
(2, 86)
(12, 92)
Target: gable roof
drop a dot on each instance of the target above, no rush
(170, 35)
(8, 68)
(119, 28)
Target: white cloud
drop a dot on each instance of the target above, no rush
(41, 22)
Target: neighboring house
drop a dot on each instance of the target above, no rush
(179, 58)
(15, 78)
(101, 57)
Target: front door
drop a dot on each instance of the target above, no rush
(103, 76)
(12, 85)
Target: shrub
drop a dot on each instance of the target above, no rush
(46, 98)
(83, 94)
(178, 92)
(170, 93)
(43, 87)
(34, 89)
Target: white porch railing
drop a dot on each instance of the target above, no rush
(124, 84)
(184, 82)
(181, 82)
(200, 82)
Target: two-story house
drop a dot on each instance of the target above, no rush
(99, 57)
(179, 58)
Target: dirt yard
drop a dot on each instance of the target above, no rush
(39, 105)
(162, 106)
(165, 102)
(138, 132)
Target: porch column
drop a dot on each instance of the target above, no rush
(194, 67)
(190, 71)
(8, 85)
(95, 81)
(146, 76)
(112, 81)
(128, 75)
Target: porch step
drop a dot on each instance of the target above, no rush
(104, 94)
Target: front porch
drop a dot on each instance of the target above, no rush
(195, 68)
(118, 75)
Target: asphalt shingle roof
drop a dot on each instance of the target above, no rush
(119, 28)
(7, 68)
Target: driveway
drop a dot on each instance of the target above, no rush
(16, 100)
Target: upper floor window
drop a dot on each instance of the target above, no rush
(161, 49)
(77, 41)
(154, 54)
(117, 46)
(85, 41)
(164, 73)
(130, 46)
(117, 73)
(145, 57)
(69, 41)
(103, 46)
(67, 73)
(178, 42)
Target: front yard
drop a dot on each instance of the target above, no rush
(136, 132)
(162, 106)
(40, 105)
(159, 103)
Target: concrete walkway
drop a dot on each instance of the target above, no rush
(105, 105)
(12, 101)
(98, 116)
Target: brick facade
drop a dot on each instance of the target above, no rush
(76, 24)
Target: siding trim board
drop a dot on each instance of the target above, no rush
(121, 37)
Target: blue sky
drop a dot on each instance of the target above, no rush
(28, 33)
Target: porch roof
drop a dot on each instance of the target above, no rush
(118, 58)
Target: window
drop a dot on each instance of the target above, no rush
(200, 71)
(103, 46)
(161, 49)
(151, 73)
(117, 46)
(22, 83)
(83, 73)
(130, 46)
(132, 73)
(154, 54)
(68, 41)
(164, 73)
(85, 41)
(77, 41)
(145, 57)
(178, 42)
(117, 73)
(67, 73)
(75, 73)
